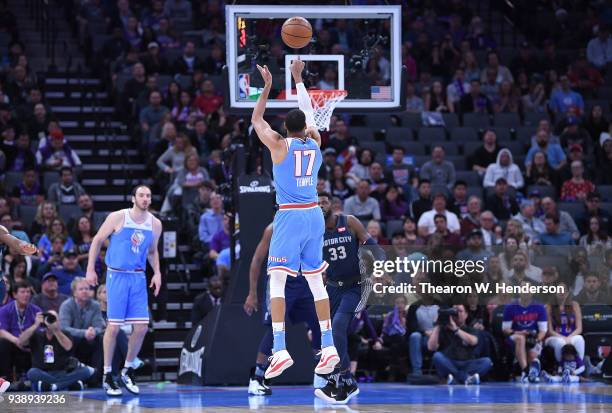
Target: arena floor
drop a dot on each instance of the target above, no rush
(495, 397)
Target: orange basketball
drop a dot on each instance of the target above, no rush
(296, 32)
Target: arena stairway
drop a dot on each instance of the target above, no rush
(112, 165)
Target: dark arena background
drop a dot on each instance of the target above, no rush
(471, 129)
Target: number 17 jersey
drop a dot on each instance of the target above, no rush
(295, 178)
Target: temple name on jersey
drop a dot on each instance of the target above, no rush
(305, 181)
(337, 240)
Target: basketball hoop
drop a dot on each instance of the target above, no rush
(323, 103)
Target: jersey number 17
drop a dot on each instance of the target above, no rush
(298, 155)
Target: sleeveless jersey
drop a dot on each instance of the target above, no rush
(295, 178)
(341, 251)
(128, 248)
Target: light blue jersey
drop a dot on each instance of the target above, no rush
(295, 178)
(129, 247)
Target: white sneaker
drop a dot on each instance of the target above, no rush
(257, 387)
(4, 385)
(279, 362)
(329, 359)
(127, 377)
(473, 379)
(111, 386)
(450, 379)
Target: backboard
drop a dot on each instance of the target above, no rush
(354, 48)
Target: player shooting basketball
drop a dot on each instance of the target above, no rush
(297, 241)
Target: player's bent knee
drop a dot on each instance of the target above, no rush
(318, 290)
(112, 329)
(277, 284)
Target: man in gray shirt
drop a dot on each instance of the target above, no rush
(566, 222)
(439, 172)
(81, 317)
(362, 205)
(49, 297)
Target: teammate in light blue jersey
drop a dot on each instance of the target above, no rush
(134, 234)
(297, 240)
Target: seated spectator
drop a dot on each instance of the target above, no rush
(15, 227)
(394, 327)
(442, 235)
(66, 191)
(205, 302)
(596, 123)
(68, 271)
(153, 61)
(596, 239)
(191, 176)
(554, 153)
(361, 169)
(577, 188)
(82, 237)
(45, 214)
(379, 182)
(420, 322)
(599, 49)
(211, 221)
(424, 200)
(172, 160)
(439, 172)
(426, 224)
(436, 100)
(392, 206)
(504, 167)
(188, 62)
(221, 239)
(539, 172)
(339, 186)
(583, 77)
(525, 325)
(532, 225)
(54, 258)
(401, 173)
(486, 155)
(475, 101)
(522, 270)
(28, 192)
(49, 297)
(208, 101)
(20, 270)
(565, 99)
(553, 235)
(14, 320)
(168, 39)
(592, 293)
(376, 233)
(490, 87)
(410, 233)
(133, 88)
(340, 138)
(501, 202)
(458, 202)
(567, 224)
(57, 153)
(502, 73)
(86, 205)
(470, 65)
(151, 115)
(454, 344)
(362, 205)
(184, 108)
(489, 228)
(573, 134)
(414, 103)
(19, 157)
(471, 220)
(564, 323)
(202, 138)
(575, 153)
(213, 64)
(132, 33)
(57, 229)
(458, 88)
(80, 316)
(51, 348)
(475, 248)
(535, 100)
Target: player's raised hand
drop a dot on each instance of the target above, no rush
(265, 74)
(156, 282)
(297, 67)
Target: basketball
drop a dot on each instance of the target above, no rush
(296, 32)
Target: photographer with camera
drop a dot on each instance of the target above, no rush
(525, 324)
(457, 341)
(50, 349)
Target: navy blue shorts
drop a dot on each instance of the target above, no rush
(344, 299)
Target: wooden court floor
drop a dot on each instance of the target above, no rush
(495, 397)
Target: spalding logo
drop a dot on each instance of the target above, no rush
(254, 187)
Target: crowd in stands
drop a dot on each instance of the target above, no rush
(519, 158)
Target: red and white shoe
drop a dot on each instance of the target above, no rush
(4, 385)
(329, 359)
(280, 361)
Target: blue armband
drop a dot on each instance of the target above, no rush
(375, 249)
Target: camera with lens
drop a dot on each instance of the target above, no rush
(445, 314)
(50, 318)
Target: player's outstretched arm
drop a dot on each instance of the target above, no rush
(15, 244)
(304, 103)
(250, 304)
(266, 134)
(112, 221)
(153, 256)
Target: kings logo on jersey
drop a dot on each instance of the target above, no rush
(137, 240)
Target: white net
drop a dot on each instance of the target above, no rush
(323, 104)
